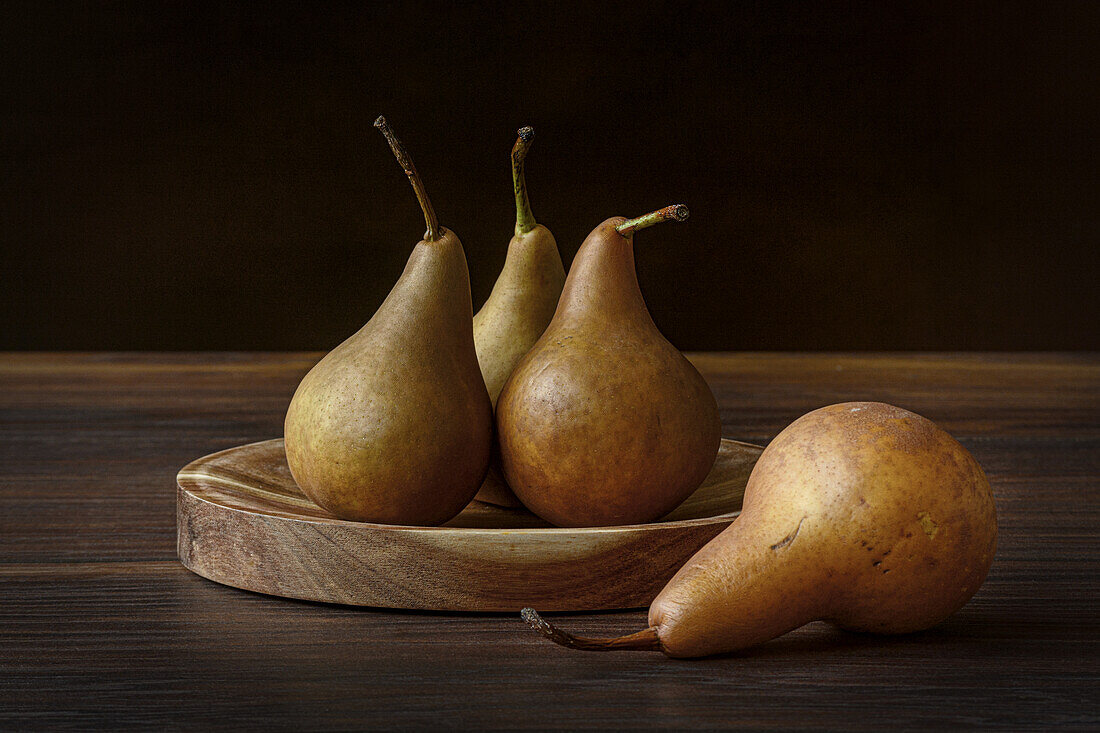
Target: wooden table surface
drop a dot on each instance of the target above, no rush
(100, 626)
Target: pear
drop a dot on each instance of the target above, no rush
(520, 307)
(604, 422)
(394, 425)
(862, 514)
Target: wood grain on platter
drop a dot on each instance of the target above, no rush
(242, 521)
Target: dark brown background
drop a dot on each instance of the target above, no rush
(861, 177)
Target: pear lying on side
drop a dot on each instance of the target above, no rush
(394, 425)
(520, 307)
(862, 514)
(604, 422)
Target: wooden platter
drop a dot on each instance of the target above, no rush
(242, 521)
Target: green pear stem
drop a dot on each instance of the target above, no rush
(645, 641)
(676, 212)
(525, 220)
(405, 162)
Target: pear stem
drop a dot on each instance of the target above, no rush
(645, 641)
(676, 212)
(405, 162)
(525, 220)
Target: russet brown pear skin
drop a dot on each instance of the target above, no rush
(604, 422)
(862, 514)
(395, 425)
(519, 308)
(508, 325)
(521, 305)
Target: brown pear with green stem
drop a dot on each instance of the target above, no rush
(521, 304)
(604, 422)
(394, 425)
(862, 514)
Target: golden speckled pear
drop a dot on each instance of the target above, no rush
(520, 307)
(604, 422)
(862, 514)
(394, 425)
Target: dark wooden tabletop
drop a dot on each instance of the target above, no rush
(100, 626)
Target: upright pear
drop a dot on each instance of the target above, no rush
(394, 425)
(862, 514)
(521, 304)
(604, 422)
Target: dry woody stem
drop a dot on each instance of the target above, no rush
(410, 170)
(645, 641)
(676, 212)
(525, 220)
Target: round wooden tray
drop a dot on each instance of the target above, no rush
(242, 521)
